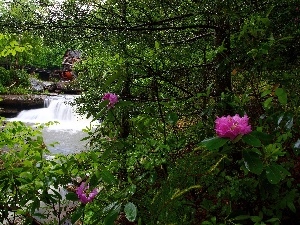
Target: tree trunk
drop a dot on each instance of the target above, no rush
(223, 64)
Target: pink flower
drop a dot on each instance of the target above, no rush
(112, 98)
(84, 195)
(231, 127)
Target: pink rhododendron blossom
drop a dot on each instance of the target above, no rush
(112, 98)
(232, 126)
(84, 195)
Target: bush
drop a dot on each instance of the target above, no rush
(6, 77)
(14, 81)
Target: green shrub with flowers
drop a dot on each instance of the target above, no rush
(245, 173)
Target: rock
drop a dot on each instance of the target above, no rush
(36, 85)
(11, 105)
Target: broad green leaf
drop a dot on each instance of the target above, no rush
(282, 95)
(71, 196)
(112, 215)
(266, 92)
(242, 217)
(112, 78)
(272, 220)
(27, 164)
(268, 102)
(35, 204)
(77, 214)
(251, 140)
(108, 177)
(252, 162)
(262, 136)
(94, 156)
(124, 103)
(14, 43)
(26, 175)
(256, 219)
(13, 52)
(284, 172)
(106, 153)
(275, 173)
(214, 143)
(102, 108)
(130, 211)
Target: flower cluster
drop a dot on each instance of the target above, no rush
(84, 195)
(112, 98)
(231, 127)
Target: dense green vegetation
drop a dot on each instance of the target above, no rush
(176, 66)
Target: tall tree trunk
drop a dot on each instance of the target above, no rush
(223, 64)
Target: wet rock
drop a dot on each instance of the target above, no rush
(11, 105)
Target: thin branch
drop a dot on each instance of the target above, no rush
(189, 39)
(153, 23)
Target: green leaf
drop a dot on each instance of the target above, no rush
(125, 103)
(156, 45)
(112, 215)
(272, 220)
(262, 136)
(291, 206)
(35, 205)
(130, 211)
(214, 143)
(251, 140)
(77, 214)
(112, 78)
(108, 177)
(242, 217)
(131, 190)
(106, 153)
(71, 196)
(275, 173)
(282, 95)
(266, 92)
(14, 43)
(13, 52)
(252, 162)
(206, 223)
(256, 219)
(26, 175)
(27, 164)
(268, 102)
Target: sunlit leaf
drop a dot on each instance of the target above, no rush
(130, 211)
(214, 143)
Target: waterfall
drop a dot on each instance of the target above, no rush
(56, 108)
(68, 132)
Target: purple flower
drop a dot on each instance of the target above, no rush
(231, 127)
(84, 195)
(112, 98)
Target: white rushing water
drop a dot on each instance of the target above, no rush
(68, 132)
